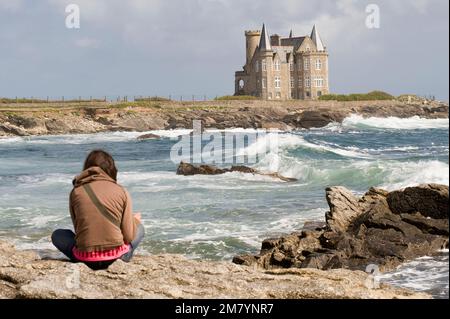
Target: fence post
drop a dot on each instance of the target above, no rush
(17, 101)
(47, 99)
(193, 98)
(181, 98)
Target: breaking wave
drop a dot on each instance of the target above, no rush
(395, 123)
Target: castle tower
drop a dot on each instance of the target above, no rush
(252, 41)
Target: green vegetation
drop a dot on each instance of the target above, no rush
(372, 96)
(235, 98)
(40, 101)
(21, 100)
(152, 99)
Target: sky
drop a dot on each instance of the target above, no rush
(193, 47)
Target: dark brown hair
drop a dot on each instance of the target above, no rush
(102, 159)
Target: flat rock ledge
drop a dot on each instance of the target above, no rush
(381, 228)
(24, 275)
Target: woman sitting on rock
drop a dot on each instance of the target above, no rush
(105, 228)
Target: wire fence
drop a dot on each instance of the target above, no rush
(109, 99)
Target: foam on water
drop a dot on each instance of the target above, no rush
(273, 142)
(218, 217)
(427, 274)
(394, 123)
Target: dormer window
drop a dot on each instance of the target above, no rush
(264, 65)
(257, 66)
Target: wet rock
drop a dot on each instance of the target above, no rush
(318, 119)
(430, 200)
(187, 169)
(364, 231)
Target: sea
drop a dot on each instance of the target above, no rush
(218, 217)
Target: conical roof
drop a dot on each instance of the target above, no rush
(317, 40)
(264, 42)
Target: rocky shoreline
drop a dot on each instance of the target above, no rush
(26, 120)
(382, 228)
(324, 260)
(24, 275)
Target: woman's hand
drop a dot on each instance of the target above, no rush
(138, 216)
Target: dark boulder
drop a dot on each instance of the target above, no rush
(430, 200)
(318, 119)
(365, 231)
(187, 169)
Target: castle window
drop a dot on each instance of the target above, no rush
(307, 82)
(291, 66)
(292, 82)
(318, 82)
(277, 82)
(277, 65)
(300, 81)
(264, 65)
(318, 64)
(306, 64)
(257, 66)
(264, 83)
(278, 95)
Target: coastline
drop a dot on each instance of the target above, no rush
(134, 117)
(24, 275)
(97, 117)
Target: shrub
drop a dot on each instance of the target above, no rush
(152, 99)
(371, 96)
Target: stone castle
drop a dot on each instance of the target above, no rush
(284, 68)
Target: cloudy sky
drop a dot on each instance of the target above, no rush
(149, 47)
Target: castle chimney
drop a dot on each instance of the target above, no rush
(275, 40)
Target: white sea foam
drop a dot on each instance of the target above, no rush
(428, 274)
(395, 123)
(273, 142)
(400, 175)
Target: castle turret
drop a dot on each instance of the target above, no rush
(317, 40)
(264, 42)
(252, 41)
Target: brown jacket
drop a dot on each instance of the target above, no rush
(94, 231)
